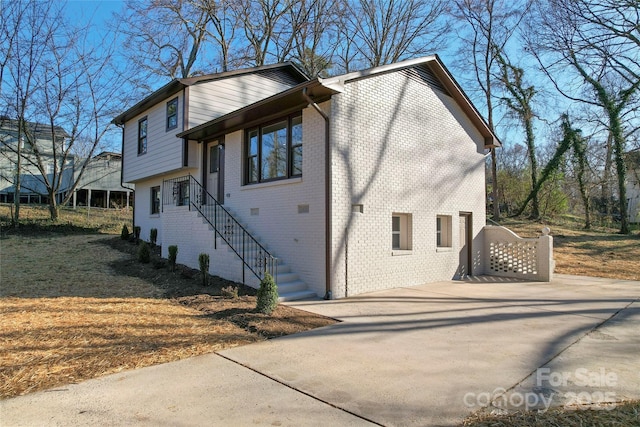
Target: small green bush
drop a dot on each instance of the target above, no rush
(267, 298)
(144, 253)
(173, 255)
(153, 236)
(203, 261)
(229, 292)
(124, 234)
(136, 233)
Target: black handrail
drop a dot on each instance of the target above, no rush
(242, 243)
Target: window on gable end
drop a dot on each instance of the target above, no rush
(142, 136)
(172, 114)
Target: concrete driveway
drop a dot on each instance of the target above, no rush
(425, 355)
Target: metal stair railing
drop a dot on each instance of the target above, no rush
(188, 191)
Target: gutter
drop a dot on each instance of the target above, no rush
(327, 193)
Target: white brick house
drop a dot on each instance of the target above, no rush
(359, 182)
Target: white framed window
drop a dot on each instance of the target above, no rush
(443, 231)
(401, 231)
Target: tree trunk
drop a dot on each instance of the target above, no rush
(494, 187)
(606, 193)
(535, 206)
(53, 206)
(621, 169)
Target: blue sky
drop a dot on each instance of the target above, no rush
(97, 11)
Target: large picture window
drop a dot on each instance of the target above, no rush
(142, 136)
(274, 150)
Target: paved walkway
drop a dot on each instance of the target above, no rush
(426, 355)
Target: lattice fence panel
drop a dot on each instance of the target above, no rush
(513, 257)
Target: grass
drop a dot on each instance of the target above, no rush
(623, 415)
(600, 252)
(80, 220)
(77, 305)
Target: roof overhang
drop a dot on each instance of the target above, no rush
(322, 89)
(276, 105)
(176, 85)
(446, 78)
(437, 67)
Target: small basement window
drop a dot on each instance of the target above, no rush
(443, 231)
(401, 231)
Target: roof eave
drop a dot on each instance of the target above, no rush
(445, 76)
(278, 104)
(176, 85)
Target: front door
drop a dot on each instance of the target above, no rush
(215, 171)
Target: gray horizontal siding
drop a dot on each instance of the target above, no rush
(214, 99)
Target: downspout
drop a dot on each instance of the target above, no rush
(133, 216)
(327, 194)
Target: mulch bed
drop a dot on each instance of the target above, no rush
(184, 287)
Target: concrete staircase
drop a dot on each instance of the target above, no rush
(290, 287)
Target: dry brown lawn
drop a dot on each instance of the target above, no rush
(74, 308)
(600, 252)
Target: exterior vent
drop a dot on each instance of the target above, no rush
(302, 209)
(425, 76)
(280, 76)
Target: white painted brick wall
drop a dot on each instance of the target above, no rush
(297, 238)
(397, 147)
(186, 229)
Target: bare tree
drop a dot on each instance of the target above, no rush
(60, 93)
(222, 31)
(599, 41)
(490, 25)
(166, 37)
(518, 98)
(313, 37)
(265, 34)
(379, 32)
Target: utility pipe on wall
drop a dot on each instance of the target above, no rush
(327, 188)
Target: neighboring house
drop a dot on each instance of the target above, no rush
(359, 182)
(633, 184)
(32, 184)
(100, 185)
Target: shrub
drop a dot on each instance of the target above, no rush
(153, 236)
(136, 233)
(144, 253)
(229, 292)
(124, 234)
(267, 298)
(173, 255)
(203, 261)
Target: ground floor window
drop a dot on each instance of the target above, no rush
(401, 231)
(443, 231)
(155, 200)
